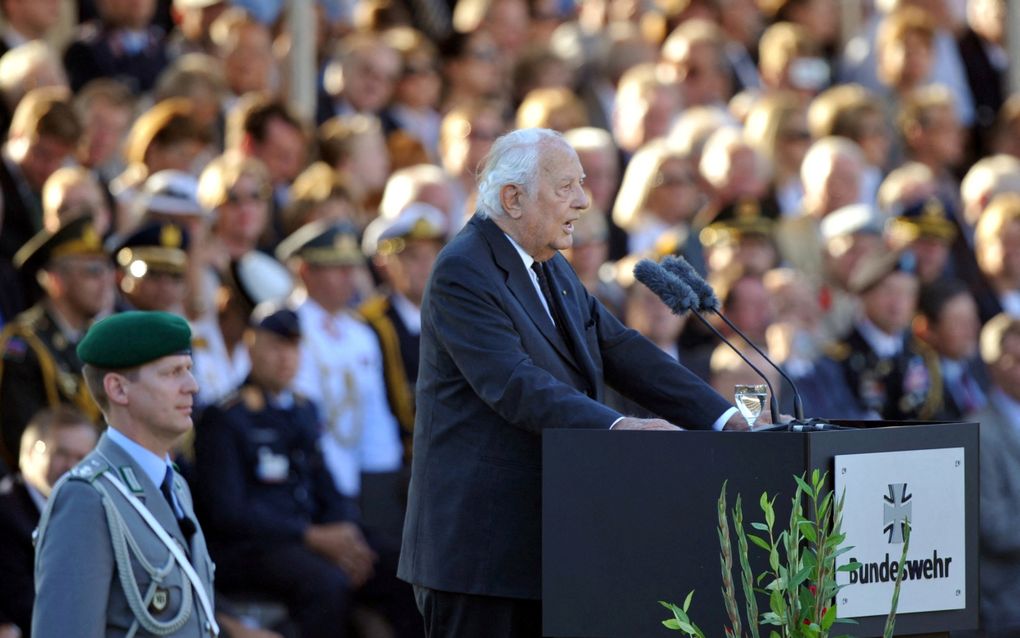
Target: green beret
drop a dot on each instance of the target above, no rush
(133, 338)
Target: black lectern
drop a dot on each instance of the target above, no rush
(629, 518)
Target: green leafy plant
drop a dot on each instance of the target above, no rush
(800, 582)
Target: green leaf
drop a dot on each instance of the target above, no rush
(672, 623)
(800, 577)
(760, 542)
(762, 527)
(804, 486)
(687, 601)
(849, 567)
(829, 618)
(774, 559)
(807, 528)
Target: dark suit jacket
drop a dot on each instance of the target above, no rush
(494, 374)
(18, 518)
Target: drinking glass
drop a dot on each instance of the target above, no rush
(750, 401)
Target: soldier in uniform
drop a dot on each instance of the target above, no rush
(403, 250)
(341, 364)
(39, 367)
(277, 524)
(119, 550)
(927, 229)
(151, 263)
(893, 374)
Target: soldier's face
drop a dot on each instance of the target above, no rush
(87, 283)
(890, 305)
(274, 360)
(161, 398)
(47, 460)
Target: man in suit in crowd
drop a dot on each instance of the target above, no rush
(512, 343)
(1000, 478)
(119, 551)
(54, 442)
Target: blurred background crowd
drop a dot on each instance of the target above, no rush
(845, 174)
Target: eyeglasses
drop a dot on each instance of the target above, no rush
(665, 179)
(239, 197)
(794, 135)
(487, 54)
(413, 70)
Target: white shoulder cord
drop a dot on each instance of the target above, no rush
(171, 544)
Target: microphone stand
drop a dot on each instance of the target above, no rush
(773, 402)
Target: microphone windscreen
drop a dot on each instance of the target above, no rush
(673, 292)
(686, 272)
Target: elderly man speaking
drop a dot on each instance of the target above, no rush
(511, 344)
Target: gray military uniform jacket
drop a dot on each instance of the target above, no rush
(89, 532)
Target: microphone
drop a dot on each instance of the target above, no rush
(708, 301)
(680, 297)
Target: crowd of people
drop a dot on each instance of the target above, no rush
(854, 200)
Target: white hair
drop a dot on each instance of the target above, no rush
(821, 156)
(405, 185)
(513, 159)
(989, 177)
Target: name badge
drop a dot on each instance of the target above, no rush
(272, 468)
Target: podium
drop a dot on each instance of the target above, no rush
(630, 518)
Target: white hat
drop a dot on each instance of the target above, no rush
(850, 220)
(172, 193)
(417, 220)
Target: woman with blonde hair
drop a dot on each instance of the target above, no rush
(659, 197)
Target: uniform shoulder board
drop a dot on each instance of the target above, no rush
(838, 351)
(230, 400)
(88, 470)
(374, 308)
(252, 398)
(15, 348)
(199, 343)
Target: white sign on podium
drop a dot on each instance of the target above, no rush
(882, 491)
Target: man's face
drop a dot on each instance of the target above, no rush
(86, 282)
(131, 14)
(409, 270)
(369, 78)
(602, 176)
(944, 136)
(43, 155)
(155, 290)
(1006, 371)
(703, 78)
(34, 16)
(890, 305)
(956, 331)
(282, 151)
(842, 186)
(49, 459)
(332, 287)
(105, 125)
(544, 221)
(248, 63)
(161, 398)
(274, 359)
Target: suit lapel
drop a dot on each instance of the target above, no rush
(519, 283)
(150, 496)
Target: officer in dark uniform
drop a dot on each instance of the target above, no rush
(39, 367)
(927, 229)
(402, 251)
(151, 264)
(893, 374)
(276, 522)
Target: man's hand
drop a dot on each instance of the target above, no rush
(631, 423)
(343, 544)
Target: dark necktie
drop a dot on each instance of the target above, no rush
(543, 284)
(166, 487)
